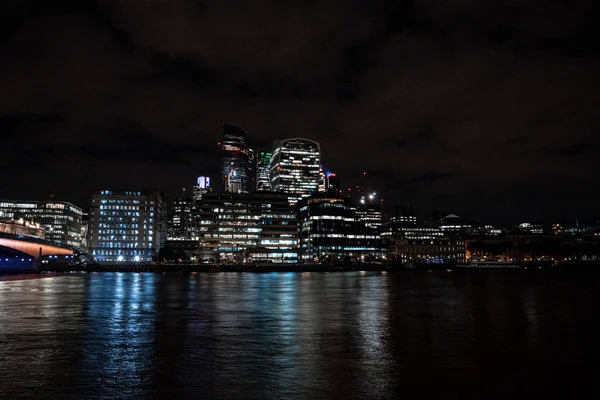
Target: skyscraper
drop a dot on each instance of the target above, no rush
(263, 165)
(238, 161)
(295, 168)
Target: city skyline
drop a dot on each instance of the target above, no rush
(487, 110)
(356, 190)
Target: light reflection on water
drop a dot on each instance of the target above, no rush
(286, 335)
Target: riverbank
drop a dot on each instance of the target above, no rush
(263, 268)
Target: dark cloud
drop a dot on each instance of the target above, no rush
(458, 105)
(575, 149)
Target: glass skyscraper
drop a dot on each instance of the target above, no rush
(296, 168)
(238, 161)
(263, 173)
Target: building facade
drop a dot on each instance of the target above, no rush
(127, 226)
(263, 173)
(201, 187)
(411, 243)
(238, 161)
(296, 168)
(369, 210)
(329, 229)
(61, 220)
(22, 227)
(243, 228)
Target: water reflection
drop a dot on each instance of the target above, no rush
(285, 335)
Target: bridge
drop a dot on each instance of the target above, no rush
(20, 253)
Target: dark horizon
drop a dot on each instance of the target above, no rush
(486, 110)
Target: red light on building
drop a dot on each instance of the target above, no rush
(364, 173)
(219, 143)
(333, 175)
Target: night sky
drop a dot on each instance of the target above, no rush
(489, 109)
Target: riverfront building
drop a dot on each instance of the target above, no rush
(296, 168)
(329, 229)
(126, 226)
(259, 227)
(61, 220)
(238, 161)
(22, 228)
(411, 243)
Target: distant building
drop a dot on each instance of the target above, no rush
(126, 226)
(184, 226)
(183, 220)
(409, 242)
(238, 161)
(330, 229)
(296, 168)
(201, 187)
(452, 223)
(85, 219)
(334, 184)
(61, 220)
(263, 173)
(322, 188)
(404, 214)
(369, 210)
(530, 228)
(22, 227)
(242, 228)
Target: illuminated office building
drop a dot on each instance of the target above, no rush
(242, 228)
(263, 173)
(61, 220)
(184, 220)
(126, 226)
(238, 161)
(296, 168)
(413, 243)
(330, 228)
(201, 187)
(369, 210)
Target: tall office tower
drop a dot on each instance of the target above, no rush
(238, 161)
(201, 187)
(126, 226)
(263, 165)
(295, 168)
(61, 220)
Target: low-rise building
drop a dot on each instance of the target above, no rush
(244, 228)
(412, 243)
(61, 220)
(330, 229)
(22, 227)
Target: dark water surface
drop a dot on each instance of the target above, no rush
(300, 335)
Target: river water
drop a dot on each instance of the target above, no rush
(496, 334)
